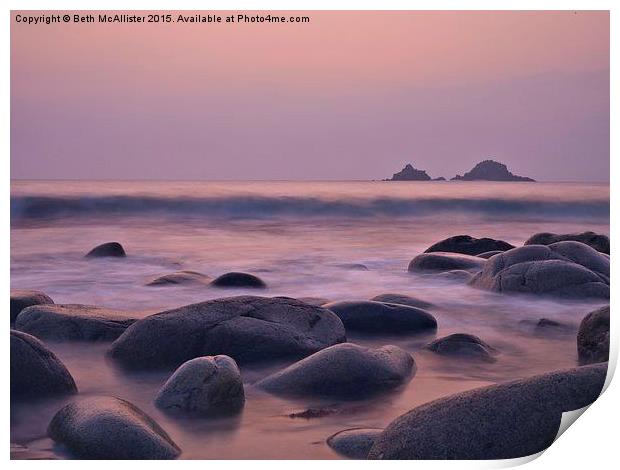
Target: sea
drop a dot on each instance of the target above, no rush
(337, 240)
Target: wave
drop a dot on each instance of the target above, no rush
(41, 207)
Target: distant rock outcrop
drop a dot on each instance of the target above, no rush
(409, 173)
(490, 170)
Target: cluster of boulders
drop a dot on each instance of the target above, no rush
(202, 344)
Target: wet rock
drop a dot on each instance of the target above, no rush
(36, 372)
(180, 278)
(468, 245)
(593, 337)
(317, 301)
(110, 428)
(380, 317)
(403, 299)
(20, 299)
(564, 269)
(312, 413)
(440, 261)
(346, 371)
(203, 386)
(239, 280)
(354, 443)
(456, 275)
(110, 249)
(504, 421)
(246, 328)
(463, 345)
(597, 241)
(353, 266)
(488, 254)
(73, 322)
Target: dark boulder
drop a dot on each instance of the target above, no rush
(73, 322)
(109, 428)
(107, 250)
(504, 421)
(239, 280)
(403, 300)
(455, 275)
(488, 254)
(409, 173)
(490, 170)
(246, 328)
(593, 337)
(345, 371)
(180, 277)
(467, 245)
(597, 241)
(440, 261)
(380, 317)
(36, 372)
(208, 385)
(20, 299)
(564, 269)
(463, 345)
(354, 443)
(317, 301)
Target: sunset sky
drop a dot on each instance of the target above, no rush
(350, 95)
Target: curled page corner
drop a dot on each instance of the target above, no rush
(568, 418)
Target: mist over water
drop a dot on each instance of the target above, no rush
(301, 238)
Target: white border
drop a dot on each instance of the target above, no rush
(591, 443)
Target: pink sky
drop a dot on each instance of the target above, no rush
(351, 95)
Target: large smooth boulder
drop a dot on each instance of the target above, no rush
(36, 372)
(597, 241)
(380, 317)
(467, 245)
(354, 443)
(564, 269)
(488, 254)
(239, 280)
(180, 278)
(107, 250)
(203, 386)
(593, 337)
(20, 299)
(462, 345)
(443, 261)
(505, 421)
(110, 428)
(73, 322)
(403, 300)
(345, 371)
(246, 328)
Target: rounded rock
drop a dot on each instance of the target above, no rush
(203, 386)
(239, 280)
(107, 250)
(593, 337)
(440, 261)
(20, 299)
(180, 277)
(468, 245)
(597, 241)
(403, 299)
(354, 443)
(463, 345)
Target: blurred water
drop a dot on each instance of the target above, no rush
(298, 237)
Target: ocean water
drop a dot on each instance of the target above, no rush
(303, 239)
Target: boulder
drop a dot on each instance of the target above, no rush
(440, 261)
(488, 254)
(36, 372)
(564, 269)
(239, 280)
(403, 299)
(380, 317)
(318, 301)
(109, 428)
(597, 241)
(409, 173)
(180, 277)
(346, 371)
(73, 322)
(455, 275)
(354, 443)
(106, 250)
(467, 245)
(203, 386)
(246, 328)
(20, 299)
(593, 337)
(463, 345)
(504, 421)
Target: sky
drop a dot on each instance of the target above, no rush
(349, 95)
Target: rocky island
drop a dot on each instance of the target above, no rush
(409, 173)
(490, 170)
